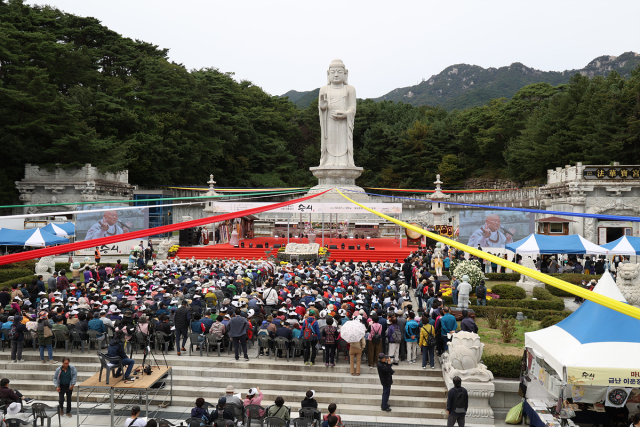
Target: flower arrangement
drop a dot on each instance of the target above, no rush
(173, 250)
(322, 251)
(456, 262)
(471, 269)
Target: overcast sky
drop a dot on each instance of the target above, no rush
(283, 45)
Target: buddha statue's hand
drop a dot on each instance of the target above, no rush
(338, 114)
(323, 102)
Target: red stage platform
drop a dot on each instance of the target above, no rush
(385, 249)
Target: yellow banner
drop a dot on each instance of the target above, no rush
(560, 284)
(604, 376)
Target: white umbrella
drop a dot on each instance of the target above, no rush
(353, 331)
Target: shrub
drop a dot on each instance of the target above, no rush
(25, 279)
(29, 265)
(503, 365)
(507, 328)
(507, 277)
(14, 273)
(543, 295)
(456, 262)
(555, 304)
(552, 320)
(508, 291)
(492, 315)
(513, 311)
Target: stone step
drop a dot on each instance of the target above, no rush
(211, 393)
(324, 378)
(262, 364)
(352, 408)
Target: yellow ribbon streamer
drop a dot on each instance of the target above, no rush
(621, 307)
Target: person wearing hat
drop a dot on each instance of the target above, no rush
(385, 372)
(221, 411)
(13, 413)
(133, 420)
(254, 397)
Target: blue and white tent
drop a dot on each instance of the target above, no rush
(32, 237)
(624, 246)
(541, 244)
(63, 230)
(594, 339)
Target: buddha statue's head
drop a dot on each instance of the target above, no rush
(337, 73)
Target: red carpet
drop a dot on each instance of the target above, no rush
(385, 249)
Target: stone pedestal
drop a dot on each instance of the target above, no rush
(311, 237)
(341, 177)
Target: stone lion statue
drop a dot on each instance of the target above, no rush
(46, 265)
(628, 281)
(464, 356)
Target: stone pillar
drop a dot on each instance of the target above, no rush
(438, 209)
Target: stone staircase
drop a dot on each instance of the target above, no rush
(418, 397)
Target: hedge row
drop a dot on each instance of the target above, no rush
(29, 264)
(556, 304)
(513, 311)
(14, 273)
(25, 279)
(503, 365)
(509, 292)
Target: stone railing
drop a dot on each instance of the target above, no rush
(84, 174)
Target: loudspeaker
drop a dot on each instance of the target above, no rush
(333, 247)
(266, 245)
(251, 245)
(276, 246)
(259, 246)
(358, 247)
(351, 248)
(236, 246)
(371, 248)
(242, 244)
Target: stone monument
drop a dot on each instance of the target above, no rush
(337, 107)
(528, 283)
(464, 289)
(438, 209)
(46, 267)
(463, 359)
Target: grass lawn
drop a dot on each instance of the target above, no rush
(492, 338)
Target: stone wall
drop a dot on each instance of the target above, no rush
(489, 183)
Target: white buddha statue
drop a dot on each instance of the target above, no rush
(337, 105)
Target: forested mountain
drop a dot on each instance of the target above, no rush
(463, 86)
(74, 92)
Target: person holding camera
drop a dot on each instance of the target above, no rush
(385, 372)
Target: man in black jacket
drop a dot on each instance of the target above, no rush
(116, 349)
(183, 320)
(385, 372)
(457, 403)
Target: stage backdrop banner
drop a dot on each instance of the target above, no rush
(310, 207)
(494, 229)
(116, 221)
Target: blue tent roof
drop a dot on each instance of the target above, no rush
(542, 244)
(587, 324)
(32, 237)
(67, 228)
(626, 245)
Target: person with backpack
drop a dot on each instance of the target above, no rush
(330, 335)
(310, 334)
(16, 335)
(375, 340)
(481, 294)
(411, 335)
(457, 403)
(394, 336)
(427, 342)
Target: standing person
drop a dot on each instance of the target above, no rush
(45, 337)
(385, 372)
(52, 282)
(481, 294)
(310, 334)
(449, 325)
(427, 342)
(97, 255)
(467, 324)
(330, 334)
(375, 340)
(457, 403)
(394, 336)
(64, 379)
(238, 327)
(182, 322)
(16, 333)
(454, 289)
(355, 355)
(411, 335)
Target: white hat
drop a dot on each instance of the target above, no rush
(14, 408)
